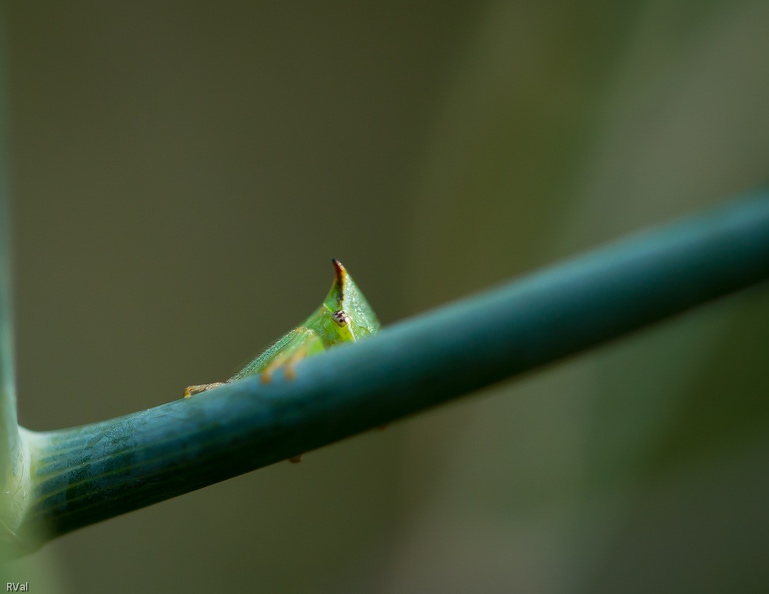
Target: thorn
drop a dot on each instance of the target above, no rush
(341, 271)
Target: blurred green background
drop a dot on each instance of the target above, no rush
(184, 171)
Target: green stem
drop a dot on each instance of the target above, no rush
(14, 461)
(91, 473)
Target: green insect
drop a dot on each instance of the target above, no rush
(344, 316)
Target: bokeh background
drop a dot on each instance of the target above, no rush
(183, 173)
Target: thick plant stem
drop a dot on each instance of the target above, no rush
(14, 475)
(91, 473)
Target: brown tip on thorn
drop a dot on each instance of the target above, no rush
(340, 270)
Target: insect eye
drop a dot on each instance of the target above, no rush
(341, 318)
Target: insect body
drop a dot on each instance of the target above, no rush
(344, 316)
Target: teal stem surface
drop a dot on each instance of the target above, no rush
(91, 473)
(13, 454)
